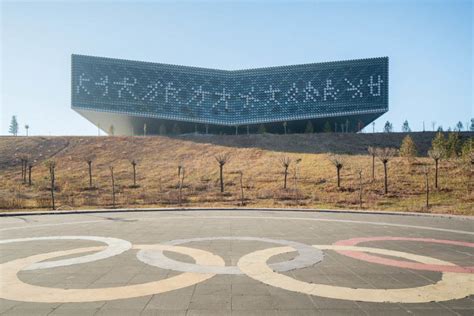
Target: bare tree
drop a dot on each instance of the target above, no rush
(30, 166)
(180, 170)
(385, 155)
(285, 163)
(180, 166)
(338, 163)
(134, 166)
(241, 188)
(181, 180)
(436, 154)
(24, 166)
(222, 159)
(359, 172)
(51, 165)
(111, 168)
(427, 187)
(371, 151)
(89, 161)
(297, 162)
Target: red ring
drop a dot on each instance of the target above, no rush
(404, 264)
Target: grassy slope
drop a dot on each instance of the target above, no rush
(256, 155)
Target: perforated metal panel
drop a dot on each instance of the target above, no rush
(221, 97)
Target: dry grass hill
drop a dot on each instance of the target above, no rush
(256, 156)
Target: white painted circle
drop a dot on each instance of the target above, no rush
(115, 247)
(307, 256)
(14, 289)
(451, 286)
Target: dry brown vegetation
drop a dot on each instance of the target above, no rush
(262, 181)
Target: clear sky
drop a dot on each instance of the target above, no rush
(429, 44)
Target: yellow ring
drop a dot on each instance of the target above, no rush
(14, 289)
(451, 286)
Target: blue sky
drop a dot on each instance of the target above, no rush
(429, 44)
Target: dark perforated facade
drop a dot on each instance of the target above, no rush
(139, 97)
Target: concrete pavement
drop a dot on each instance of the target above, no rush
(236, 263)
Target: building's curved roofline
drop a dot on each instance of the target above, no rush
(307, 66)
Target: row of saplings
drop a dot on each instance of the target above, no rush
(408, 149)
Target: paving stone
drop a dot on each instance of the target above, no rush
(116, 311)
(261, 312)
(160, 312)
(199, 312)
(387, 312)
(292, 301)
(213, 289)
(210, 302)
(250, 289)
(6, 305)
(236, 294)
(78, 312)
(251, 302)
(298, 312)
(25, 310)
(138, 303)
(464, 312)
(169, 301)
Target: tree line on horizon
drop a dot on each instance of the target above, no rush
(388, 128)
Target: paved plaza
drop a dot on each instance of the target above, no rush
(236, 263)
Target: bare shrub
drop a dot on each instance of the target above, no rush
(436, 154)
(43, 202)
(51, 165)
(283, 195)
(30, 167)
(338, 162)
(385, 155)
(222, 159)
(89, 159)
(13, 201)
(285, 162)
(134, 163)
(24, 158)
(427, 187)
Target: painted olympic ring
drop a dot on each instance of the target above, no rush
(14, 289)
(307, 256)
(115, 247)
(451, 286)
(439, 267)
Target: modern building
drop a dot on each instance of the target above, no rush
(134, 98)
